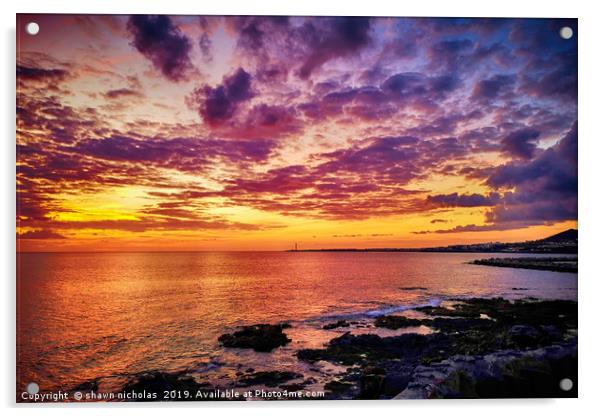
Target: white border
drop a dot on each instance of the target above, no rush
(590, 71)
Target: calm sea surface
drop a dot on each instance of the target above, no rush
(108, 316)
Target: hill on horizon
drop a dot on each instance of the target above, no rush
(568, 235)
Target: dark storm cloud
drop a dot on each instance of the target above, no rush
(345, 36)
(218, 104)
(255, 31)
(555, 169)
(545, 188)
(161, 42)
(553, 78)
(316, 41)
(533, 192)
(551, 70)
(521, 143)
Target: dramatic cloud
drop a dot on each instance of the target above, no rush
(451, 52)
(343, 36)
(498, 86)
(162, 43)
(312, 43)
(411, 85)
(521, 143)
(218, 104)
(152, 127)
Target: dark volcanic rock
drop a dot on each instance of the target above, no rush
(504, 312)
(261, 337)
(527, 336)
(556, 264)
(356, 349)
(337, 324)
(372, 383)
(459, 324)
(455, 312)
(337, 386)
(292, 387)
(515, 344)
(87, 386)
(268, 378)
(458, 335)
(396, 322)
(502, 374)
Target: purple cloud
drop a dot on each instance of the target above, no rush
(339, 37)
(162, 43)
(498, 86)
(218, 104)
(40, 74)
(521, 143)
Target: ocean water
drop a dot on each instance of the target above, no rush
(109, 316)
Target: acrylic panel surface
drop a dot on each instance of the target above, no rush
(254, 208)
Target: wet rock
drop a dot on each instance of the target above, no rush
(372, 383)
(351, 349)
(556, 264)
(459, 324)
(525, 336)
(467, 356)
(397, 376)
(293, 387)
(337, 324)
(87, 386)
(261, 337)
(268, 378)
(396, 322)
(337, 386)
(561, 313)
(503, 374)
(457, 311)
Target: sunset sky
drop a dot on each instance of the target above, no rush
(253, 133)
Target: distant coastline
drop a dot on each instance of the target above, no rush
(561, 243)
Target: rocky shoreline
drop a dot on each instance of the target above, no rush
(553, 264)
(474, 348)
